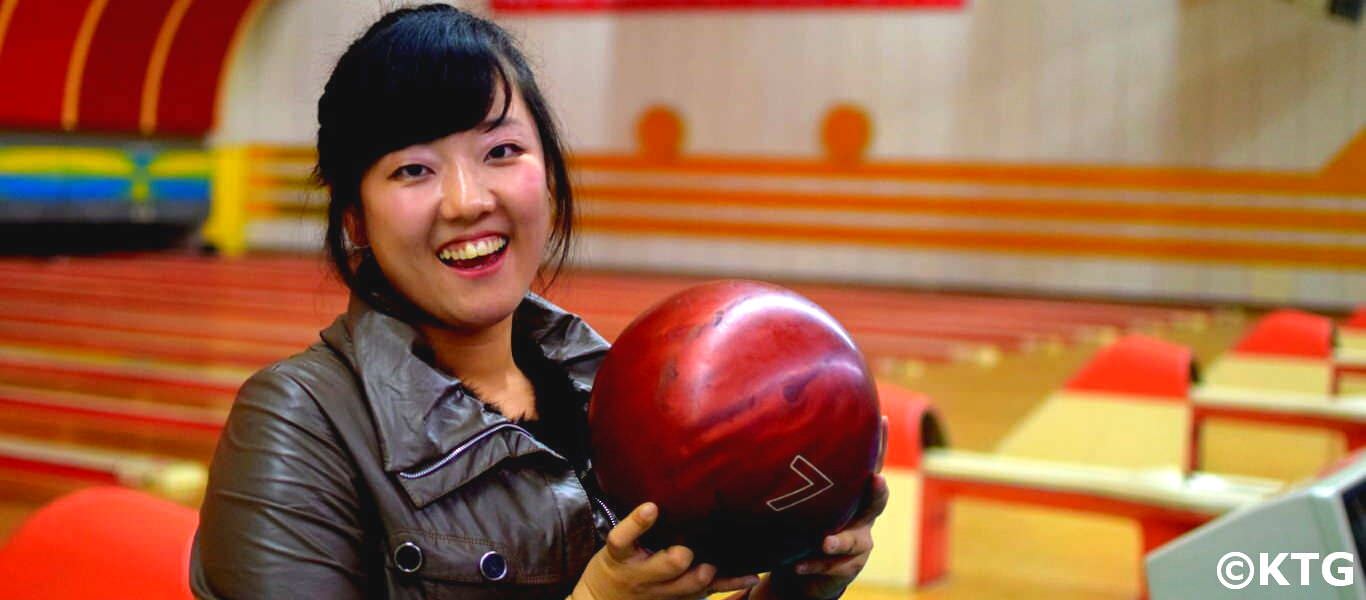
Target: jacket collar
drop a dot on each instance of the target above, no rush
(422, 414)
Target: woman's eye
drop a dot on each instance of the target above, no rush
(502, 151)
(410, 171)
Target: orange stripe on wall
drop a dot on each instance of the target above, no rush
(111, 88)
(249, 16)
(1185, 250)
(1110, 177)
(156, 66)
(1350, 162)
(1344, 176)
(6, 13)
(195, 66)
(75, 70)
(279, 152)
(1093, 210)
(988, 207)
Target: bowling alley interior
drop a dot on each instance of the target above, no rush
(1103, 263)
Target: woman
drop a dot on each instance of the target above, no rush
(433, 443)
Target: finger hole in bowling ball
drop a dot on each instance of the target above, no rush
(737, 548)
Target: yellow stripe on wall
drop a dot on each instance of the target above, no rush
(50, 159)
(181, 163)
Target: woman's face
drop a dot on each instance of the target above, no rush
(459, 225)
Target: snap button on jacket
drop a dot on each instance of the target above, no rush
(358, 470)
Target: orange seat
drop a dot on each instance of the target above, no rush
(101, 542)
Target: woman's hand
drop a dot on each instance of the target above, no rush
(845, 554)
(621, 570)
(845, 551)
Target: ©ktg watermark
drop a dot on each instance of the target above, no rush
(1237, 570)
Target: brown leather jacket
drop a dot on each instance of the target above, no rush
(356, 469)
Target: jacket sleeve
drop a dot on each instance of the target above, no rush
(281, 516)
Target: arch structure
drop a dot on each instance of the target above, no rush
(109, 104)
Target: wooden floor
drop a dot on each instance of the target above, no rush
(143, 353)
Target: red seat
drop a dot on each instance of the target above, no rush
(1358, 318)
(1138, 365)
(101, 542)
(1288, 332)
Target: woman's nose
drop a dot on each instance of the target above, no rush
(464, 197)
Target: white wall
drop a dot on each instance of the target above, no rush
(1228, 83)
(273, 83)
(1217, 83)
(1247, 85)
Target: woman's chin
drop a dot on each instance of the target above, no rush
(477, 316)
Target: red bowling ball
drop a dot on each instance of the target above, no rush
(747, 414)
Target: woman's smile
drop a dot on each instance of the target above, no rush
(474, 257)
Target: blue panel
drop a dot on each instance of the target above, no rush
(33, 187)
(180, 189)
(98, 188)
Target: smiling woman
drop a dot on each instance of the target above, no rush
(442, 113)
(459, 224)
(434, 443)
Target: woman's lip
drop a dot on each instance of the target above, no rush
(470, 238)
(484, 270)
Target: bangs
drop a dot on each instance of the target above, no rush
(416, 84)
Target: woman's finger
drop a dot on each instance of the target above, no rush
(884, 430)
(848, 542)
(731, 584)
(621, 541)
(876, 504)
(667, 564)
(835, 566)
(695, 582)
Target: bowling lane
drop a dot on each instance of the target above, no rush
(158, 319)
(146, 386)
(85, 419)
(288, 285)
(121, 376)
(144, 353)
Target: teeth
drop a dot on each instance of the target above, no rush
(475, 249)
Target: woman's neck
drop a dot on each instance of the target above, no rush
(483, 362)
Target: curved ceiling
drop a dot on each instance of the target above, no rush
(123, 66)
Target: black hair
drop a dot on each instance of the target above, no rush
(417, 75)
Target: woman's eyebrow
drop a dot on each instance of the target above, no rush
(506, 122)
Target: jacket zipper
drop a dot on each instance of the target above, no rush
(611, 517)
(464, 447)
(481, 436)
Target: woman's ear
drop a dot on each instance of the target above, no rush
(354, 225)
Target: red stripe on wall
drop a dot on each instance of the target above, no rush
(189, 86)
(38, 45)
(111, 95)
(630, 5)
